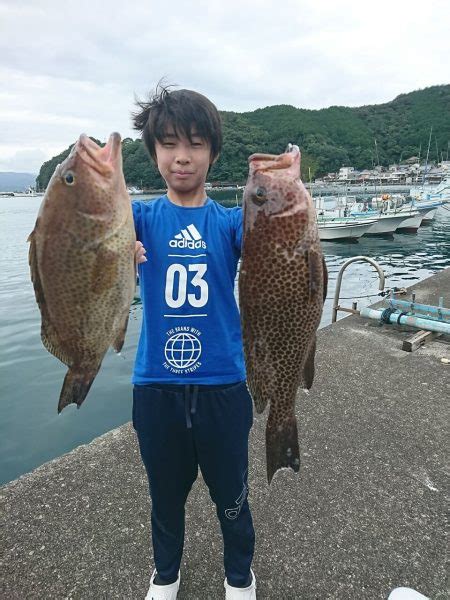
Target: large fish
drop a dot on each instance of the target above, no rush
(82, 262)
(282, 287)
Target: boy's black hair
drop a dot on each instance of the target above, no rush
(185, 111)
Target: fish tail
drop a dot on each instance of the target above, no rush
(75, 387)
(282, 450)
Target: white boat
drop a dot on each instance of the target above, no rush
(385, 224)
(393, 205)
(31, 192)
(343, 229)
(429, 214)
(382, 210)
(133, 191)
(412, 221)
(432, 193)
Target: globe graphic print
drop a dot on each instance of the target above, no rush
(182, 350)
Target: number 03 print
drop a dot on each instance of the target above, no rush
(176, 285)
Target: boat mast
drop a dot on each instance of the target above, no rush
(426, 161)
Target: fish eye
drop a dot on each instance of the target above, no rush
(69, 178)
(259, 197)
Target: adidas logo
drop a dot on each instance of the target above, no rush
(188, 238)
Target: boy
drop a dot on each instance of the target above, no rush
(191, 407)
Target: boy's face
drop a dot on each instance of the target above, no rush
(184, 165)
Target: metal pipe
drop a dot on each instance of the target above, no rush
(404, 305)
(427, 324)
(339, 280)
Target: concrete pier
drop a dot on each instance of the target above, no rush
(366, 514)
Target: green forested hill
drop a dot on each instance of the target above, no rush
(329, 138)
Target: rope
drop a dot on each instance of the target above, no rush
(402, 314)
(396, 290)
(385, 315)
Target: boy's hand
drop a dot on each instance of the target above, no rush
(139, 253)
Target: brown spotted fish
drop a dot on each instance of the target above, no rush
(282, 287)
(82, 262)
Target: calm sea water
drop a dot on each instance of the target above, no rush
(31, 431)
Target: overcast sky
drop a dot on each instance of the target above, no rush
(73, 66)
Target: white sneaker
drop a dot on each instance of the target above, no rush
(403, 593)
(162, 592)
(235, 593)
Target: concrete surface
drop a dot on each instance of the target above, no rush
(365, 515)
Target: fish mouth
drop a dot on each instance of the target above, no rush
(102, 160)
(290, 160)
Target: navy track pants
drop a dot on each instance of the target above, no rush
(182, 427)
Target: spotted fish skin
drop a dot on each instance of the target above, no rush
(282, 286)
(82, 262)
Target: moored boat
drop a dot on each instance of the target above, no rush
(343, 229)
(411, 223)
(384, 224)
(427, 209)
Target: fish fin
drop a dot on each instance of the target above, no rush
(49, 335)
(282, 450)
(308, 369)
(315, 273)
(75, 387)
(259, 399)
(259, 367)
(120, 338)
(325, 278)
(106, 270)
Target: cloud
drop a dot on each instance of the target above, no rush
(76, 67)
(26, 161)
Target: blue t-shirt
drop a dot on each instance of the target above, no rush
(191, 329)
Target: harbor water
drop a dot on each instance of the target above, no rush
(31, 431)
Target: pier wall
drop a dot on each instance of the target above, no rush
(366, 514)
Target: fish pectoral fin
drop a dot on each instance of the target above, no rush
(282, 450)
(315, 273)
(106, 270)
(49, 334)
(259, 400)
(308, 369)
(325, 278)
(120, 337)
(75, 387)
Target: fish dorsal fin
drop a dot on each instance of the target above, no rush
(49, 335)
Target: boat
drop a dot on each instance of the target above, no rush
(411, 222)
(385, 224)
(432, 193)
(29, 193)
(408, 218)
(133, 191)
(382, 210)
(343, 228)
(429, 211)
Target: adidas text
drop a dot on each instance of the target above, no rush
(187, 244)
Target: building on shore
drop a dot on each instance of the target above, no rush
(408, 173)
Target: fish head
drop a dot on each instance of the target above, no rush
(90, 177)
(274, 188)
